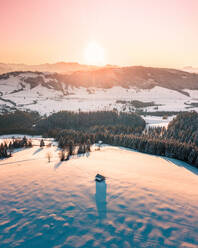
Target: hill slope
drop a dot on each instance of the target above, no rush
(135, 76)
(101, 89)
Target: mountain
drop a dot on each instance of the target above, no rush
(100, 89)
(190, 69)
(135, 76)
(60, 67)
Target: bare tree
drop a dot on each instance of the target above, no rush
(62, 155)
(49, 156)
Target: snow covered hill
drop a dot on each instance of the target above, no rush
(146, 201)
(47, 93)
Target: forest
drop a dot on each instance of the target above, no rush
(89, 120)
(33, 123)
(78, 131)
(179, 140)
(18, 122)
(137, 104)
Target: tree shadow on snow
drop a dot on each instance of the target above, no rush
(19, 161)
(182, 164)
(56, 166)
(174, 161)
(37, 151)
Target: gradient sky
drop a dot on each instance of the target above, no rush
(132, 32)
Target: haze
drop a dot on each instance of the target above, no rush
(131, 32)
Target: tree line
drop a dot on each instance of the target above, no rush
(179, 140)
(76, 132)
(183, 128)
(33, 123)
(19, 122)
(6, 148)
(72, 140)
(88, 120)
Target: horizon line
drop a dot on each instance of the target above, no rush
(100, 66)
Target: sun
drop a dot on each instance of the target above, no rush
(94, 54)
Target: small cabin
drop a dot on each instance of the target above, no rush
(99, 178)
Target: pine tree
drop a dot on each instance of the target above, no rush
(42, 143)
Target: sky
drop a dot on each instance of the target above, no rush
(162, 33)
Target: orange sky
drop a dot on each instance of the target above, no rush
(132, 32)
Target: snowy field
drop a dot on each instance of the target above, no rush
(147, 201)
(157, 121)
(14, 92)
(49, 101)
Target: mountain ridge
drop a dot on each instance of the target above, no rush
(59, 67)
(134, 76)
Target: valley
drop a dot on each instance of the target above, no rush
(48, 93)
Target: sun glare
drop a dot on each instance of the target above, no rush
(94, 54)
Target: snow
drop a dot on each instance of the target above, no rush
(157, 121)
(50, 100)
(193, 93)
(146, 201)
(29, 74)
(19, 136)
